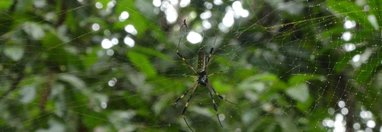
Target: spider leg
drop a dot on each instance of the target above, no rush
(212, 74)
(186, 105)
(211, 91)
(177, 47)
(181, 97)
(211, 88)
(210, 56)
(185, 62)
(189, 98)
(184, 94)
(184, 118)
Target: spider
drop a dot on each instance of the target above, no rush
(202, 74)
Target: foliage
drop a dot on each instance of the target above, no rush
(282, 68)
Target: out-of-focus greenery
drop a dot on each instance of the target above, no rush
(284, 67)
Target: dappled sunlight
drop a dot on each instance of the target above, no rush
(157, 3)
(95, 27)
(183, 65)
(349, 47)
(184, 3)
(131, 29)
(112, 82)
(168, 7)
(346, 36)
(106, 44)
(206, 15)
(206, 24)
(124, 16)
(194, 37)
(239, 10)
(129, 41)
(98, 5)
(349, 24)
(228, 19)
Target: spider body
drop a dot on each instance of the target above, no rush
(202, 65)
(202, 80)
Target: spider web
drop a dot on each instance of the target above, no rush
(286, 66)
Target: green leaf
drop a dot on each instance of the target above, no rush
(305, 106)
(51, 41)
(161, 104)
(122, 119)
(266, 77)
(287, 123)
(350, 9)
(72, 80)
(91, 57)
(145, 7)
(137, 18)
(14, 52)
(260, 82)
(220, 86)
(5, 4)
(28, 93)
(34, 30)
(299, 92)
(141, 62)
(59, 53)
(152, 52)
(364, 73)
(92, 119)
(346, 58)
(375, 8)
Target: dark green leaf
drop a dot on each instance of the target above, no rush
(142, 62)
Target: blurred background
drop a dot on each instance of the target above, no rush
(111, 65)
